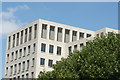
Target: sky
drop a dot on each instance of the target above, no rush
(60, 0)
(87, 15)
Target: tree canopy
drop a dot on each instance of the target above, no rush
(99, 59)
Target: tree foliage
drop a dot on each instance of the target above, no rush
(99, 59)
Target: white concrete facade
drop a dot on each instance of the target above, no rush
(37, 46)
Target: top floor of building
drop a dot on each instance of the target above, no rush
(51, 31)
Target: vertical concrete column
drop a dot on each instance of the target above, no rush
(78, 47)
(8, 72)
(56, 31)
(46, 65)
(63, 34)
(85, 35)
(21, 66)
(70, 35)
(15, 39)
(27, 50)
(19, 38)
(39, 30)
(23, 36)
(77, 35)
(25, 65)
(13, 69)
(27, 34)
(11, 46)
(72, 48)
(32, 36)
(48, 30)
(17, 68)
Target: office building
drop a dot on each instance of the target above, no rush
(40, 44)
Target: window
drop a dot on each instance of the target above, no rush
(81, 35)
(50, 62)
(34, 46)
(42, 61)
(14, 78)
(27, 64)
(28, 49)
(30, 33)
(12, 56)
(17, 42)
(25, 35)
(6, 70)
(59, 34)
(33, 62)
(10, 78)
(102, 34)
(7, 58)
(88, 35)
(9, 41)
(20, 53)
(51, 47)
(70, 50)
(35, 31)
(58, 50)
(32, 74)
(16, 55)
(13, 40)
(27, 75)
(22, 37)
(97, 35)
(24, 53)
(15, 68)
(44, 31)
(11, 70)
(18, 77)
(52, 32)
(67, 35)
(75, 47)
(19, 68)
(22, 76)
(43, 47)
(59, 30)
(74, 36)
(81, 46)
(23, 65)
